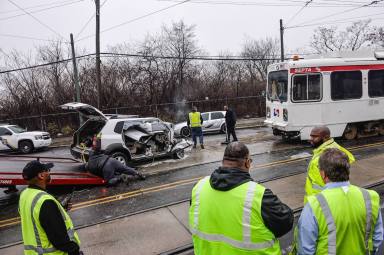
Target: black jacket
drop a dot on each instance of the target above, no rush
(96, 163)
(53, 224)
(230, 118)
(277, 216)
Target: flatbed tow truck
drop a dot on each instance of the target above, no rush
(12, 178)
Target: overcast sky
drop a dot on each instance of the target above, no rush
(219, 27)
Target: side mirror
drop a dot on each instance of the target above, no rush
(8, 133)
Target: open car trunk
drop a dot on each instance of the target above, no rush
(86, 132)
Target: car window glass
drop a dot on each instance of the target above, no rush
(205, 116)
(17, 129)
(217, 115)
(119, 127)
(4, 131)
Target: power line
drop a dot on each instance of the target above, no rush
(35, 6)
(108, 54)
(30, 38)
(300, 10)
(375, 2)
(340, 21)
(89, 20)
(52, 30)
(41, 10)
(271, 4)
(45, 64)
(135, 19)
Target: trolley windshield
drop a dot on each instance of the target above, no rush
(278, 86)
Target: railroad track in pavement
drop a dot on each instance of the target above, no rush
(167, 186)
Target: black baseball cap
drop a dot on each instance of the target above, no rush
(33, 168)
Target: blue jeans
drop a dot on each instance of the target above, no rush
(197, 132)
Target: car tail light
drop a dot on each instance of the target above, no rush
(285, 114)
(268, 112)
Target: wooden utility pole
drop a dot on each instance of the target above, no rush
(281, 40)
(75, 74)
(98, 78)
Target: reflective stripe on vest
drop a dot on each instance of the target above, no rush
(331, 223)
(195, 119)
(39, 249)
(247, 211)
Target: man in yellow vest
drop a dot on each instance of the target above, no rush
(230, 214)
(46, 226)
(343, 218)
(194, 122)
(320, 140)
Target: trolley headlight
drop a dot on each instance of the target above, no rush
(268, 112)
(285, 114)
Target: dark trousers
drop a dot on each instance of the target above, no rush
(197, 132)
(231, 130)
(113, 169)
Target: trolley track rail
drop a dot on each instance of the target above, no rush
(135, 193)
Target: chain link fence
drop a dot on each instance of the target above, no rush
(67, 122)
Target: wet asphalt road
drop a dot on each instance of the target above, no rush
(184, 178)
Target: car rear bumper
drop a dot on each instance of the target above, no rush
(78, 153)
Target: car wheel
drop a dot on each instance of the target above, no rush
(26, 147)
(179, 154)
(121, 157)
(223, 128)
(185, 132)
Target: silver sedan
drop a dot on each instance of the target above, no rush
(212, 122)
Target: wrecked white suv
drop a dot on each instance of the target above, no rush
(129, 139)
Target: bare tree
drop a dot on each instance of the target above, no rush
(354, 37)
(264, 52)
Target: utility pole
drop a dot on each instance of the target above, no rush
(98, 78)
(281, 40)
(75, 74)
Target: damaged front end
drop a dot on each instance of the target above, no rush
(152, 139)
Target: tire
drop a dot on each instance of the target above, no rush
(350, 132)
(223, 128)
(121, 157)
(185, 132)
(381, 128)
(26, 147)
(179, 154)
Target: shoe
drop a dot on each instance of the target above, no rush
(202, 146)
(141, 176)
(124, 178)
(194, 146)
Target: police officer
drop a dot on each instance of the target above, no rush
(194, 122)
(46, 226)
(233, 215)
(320, 140)
(343, 218)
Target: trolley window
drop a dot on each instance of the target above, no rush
(278, 86)
(306, 87)
(346, 85)
(376, 83)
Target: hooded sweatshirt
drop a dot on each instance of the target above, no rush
(277, 216)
